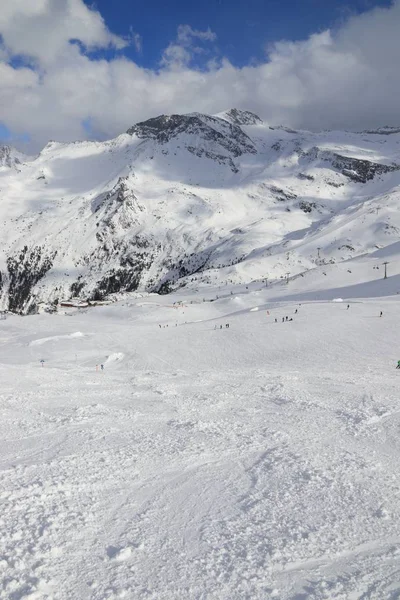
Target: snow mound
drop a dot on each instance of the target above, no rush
(119, 554)
(115, 357)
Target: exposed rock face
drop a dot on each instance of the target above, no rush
(210, 129)
(242, 117)
(9, 157)
(307, 207)
(383, 131)
(356, 169)
(24, 271)
(282, 195)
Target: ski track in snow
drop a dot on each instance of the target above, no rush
(251, 463)
(55, 338)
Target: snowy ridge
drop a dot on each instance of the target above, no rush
(192, 200)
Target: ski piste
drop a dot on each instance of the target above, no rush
(258, 460)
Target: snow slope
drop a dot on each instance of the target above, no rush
(255, 462)
(192, 200)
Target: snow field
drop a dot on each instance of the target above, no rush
(259, 461)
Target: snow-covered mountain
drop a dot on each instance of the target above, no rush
(11, 158)
(191, 200)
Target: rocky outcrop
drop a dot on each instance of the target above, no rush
(282, 195)
(306, 206)
(357, 169)
(24, 271)
(242, 117)
(210, 129)
(383, 131)
(9, 157)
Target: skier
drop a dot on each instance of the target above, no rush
(283, 319)
(102, 367)
(398, 364)
(348, 306)
(287, 318)
(295, 312)
(276, 320)
(381, 315)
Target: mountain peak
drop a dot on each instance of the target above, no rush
(163, 127)
(241, 117)
(193, 200)
(204, 128)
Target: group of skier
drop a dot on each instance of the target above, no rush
(284, 320)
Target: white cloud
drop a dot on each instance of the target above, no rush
(180, 53)
(42, 29)
(176, 56)
(186, 34)
(347, 78)
(138, 42)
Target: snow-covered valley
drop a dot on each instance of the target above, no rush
(224, 424)
(257, 461)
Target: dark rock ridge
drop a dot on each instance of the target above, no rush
(356, 169)
(211, 129)
(383, 131)
(306, 206)
(282, 195)
(24, 272)
(359, 170)
(242, 117)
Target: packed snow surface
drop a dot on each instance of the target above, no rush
(251, 462)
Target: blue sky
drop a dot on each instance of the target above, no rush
(70, 69)
(243, 27)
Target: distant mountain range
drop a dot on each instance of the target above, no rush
(191, 200)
